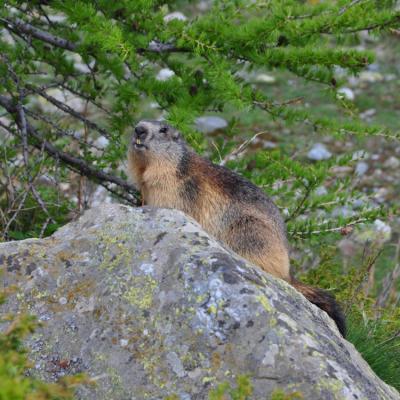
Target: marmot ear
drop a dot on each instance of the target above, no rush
(175, 135)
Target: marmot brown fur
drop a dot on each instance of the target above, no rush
(236, 212)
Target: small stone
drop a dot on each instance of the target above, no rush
(343, 211)
(360, 155)
(361, 168)
(381, 194)
(63, 301)
(383, 230)
(371, 76)
(123, 342)
(175, 15)
(210, 124)
(358, 203)
(64, 186)
(390, 77)
(348, 247)
(154, 105)
(342, 170)
(164, 74)
(101, 142)
(319, 152)
(375, 67)
(392, 163)
(375, 157)
(367, 114)
(347, 93)
(264, 78)
(321, 191)
(176, 364)
(269, 145)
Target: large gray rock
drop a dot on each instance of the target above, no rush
(150, 306)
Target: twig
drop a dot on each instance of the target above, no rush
(60, 132)
(300, 205)
(327, 230)
(67, 109)
(44, 227)
(79, 94)
(11, 220)
(353, 3)
(240, 148)
(394, 20)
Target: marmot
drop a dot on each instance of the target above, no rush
(233, 210)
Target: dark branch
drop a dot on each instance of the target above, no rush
(74, 163)
(20, 26)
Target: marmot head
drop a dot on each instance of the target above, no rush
(155, 137)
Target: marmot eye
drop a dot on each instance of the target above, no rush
(164, 129)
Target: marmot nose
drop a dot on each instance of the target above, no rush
(140, 131)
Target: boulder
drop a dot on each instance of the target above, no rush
(151, 307)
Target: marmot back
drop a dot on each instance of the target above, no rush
(229, 207)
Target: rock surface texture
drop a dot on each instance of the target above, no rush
(151, 306)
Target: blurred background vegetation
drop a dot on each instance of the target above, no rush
(301, 97)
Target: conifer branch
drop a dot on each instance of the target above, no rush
(19, 26)
(328, 230)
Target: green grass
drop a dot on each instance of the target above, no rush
(382, 353)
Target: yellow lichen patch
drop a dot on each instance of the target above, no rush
(212, 309)
(172, 397)
(37, 294)
(208, 379)
(264, 302)
(332, 385)
(141, 294)
(115, 252)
